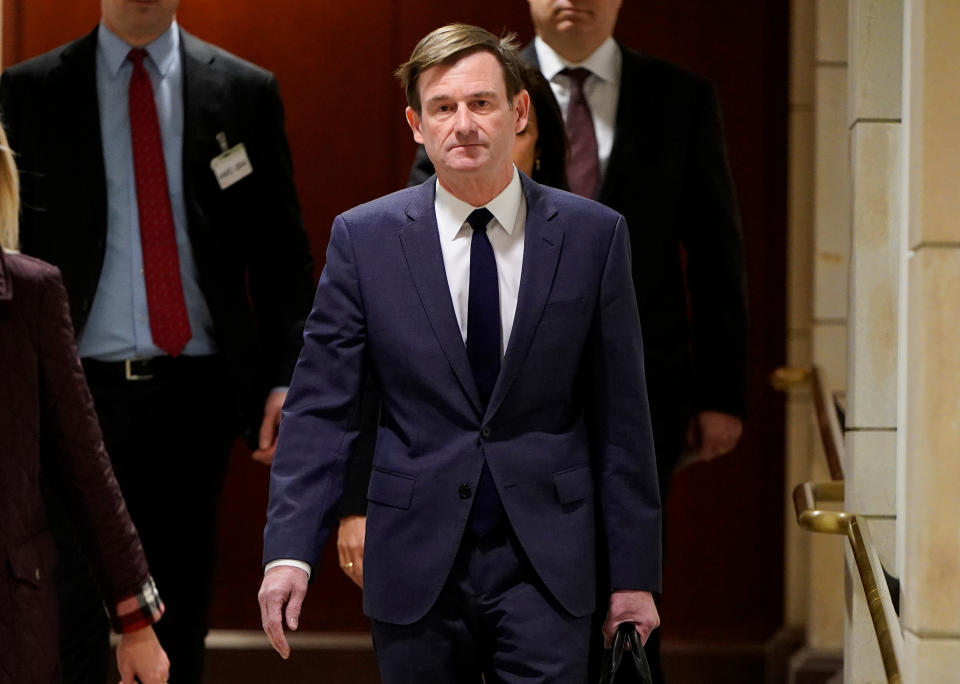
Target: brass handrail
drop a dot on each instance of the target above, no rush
(806, 501)
(787, 377)
(808, 496)
(874, 601)
(830, 433)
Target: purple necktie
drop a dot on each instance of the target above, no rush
(583, 171)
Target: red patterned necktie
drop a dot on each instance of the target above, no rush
(583, 171)
(166, 305)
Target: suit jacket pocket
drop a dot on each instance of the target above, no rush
(563, 309)
(390, 489)
(573, 484)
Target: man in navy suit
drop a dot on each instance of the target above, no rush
(498, 317)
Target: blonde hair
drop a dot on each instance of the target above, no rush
(449, 44)
(9, 197)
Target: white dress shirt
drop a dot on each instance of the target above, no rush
(602, 88)
(505, 233)
(506, 238)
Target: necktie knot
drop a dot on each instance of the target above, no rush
(137, 55)
(479, 218)
(577, 76)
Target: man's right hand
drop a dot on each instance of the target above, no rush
(281, 595)
(140, 656)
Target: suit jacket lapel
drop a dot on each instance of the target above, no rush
(420, 240)
(202, 100)
(542, 241)
(76, 79)
(529, 55)
(631, 123)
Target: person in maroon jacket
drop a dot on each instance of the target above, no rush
(43, 396)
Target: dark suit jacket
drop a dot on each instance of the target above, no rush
(668, 175)
(566, 434)
(251, 252)
(44, 395)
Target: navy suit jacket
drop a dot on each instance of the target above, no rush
(566, 434)
(669, 177)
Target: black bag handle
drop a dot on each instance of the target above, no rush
(626, 635)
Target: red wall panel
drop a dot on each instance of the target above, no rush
(334, 62)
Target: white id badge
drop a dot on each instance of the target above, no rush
(231, 166)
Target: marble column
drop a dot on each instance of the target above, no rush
(931, 506)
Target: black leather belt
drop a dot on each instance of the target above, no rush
(138, 370)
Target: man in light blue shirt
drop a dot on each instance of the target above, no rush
(171, 217)
(118, 327)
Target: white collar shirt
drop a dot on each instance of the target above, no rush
(505, 232)
(602, 88)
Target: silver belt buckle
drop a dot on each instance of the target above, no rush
(128, 369)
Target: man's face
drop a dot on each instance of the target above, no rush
(467, 124)
(589, 21)
(138, 21)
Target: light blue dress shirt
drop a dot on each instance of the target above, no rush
(118, 327)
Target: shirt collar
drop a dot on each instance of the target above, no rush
(605, 62)
(163, 50)
(452, 212)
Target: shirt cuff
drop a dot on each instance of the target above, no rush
(137, 611)
(292, 563)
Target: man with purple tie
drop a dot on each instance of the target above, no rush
(646, 141)
(499, 319)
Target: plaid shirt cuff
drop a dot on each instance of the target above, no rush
(139, 610)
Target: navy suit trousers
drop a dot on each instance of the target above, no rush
(493, 618)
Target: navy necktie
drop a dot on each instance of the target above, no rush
(483, 349)
(483, 313)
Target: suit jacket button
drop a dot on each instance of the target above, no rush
(464, 491)
(37, 574)
(485, 431)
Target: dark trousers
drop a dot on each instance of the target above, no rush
(169, 440)
(493, 618)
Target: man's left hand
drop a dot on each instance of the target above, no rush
(270, 427)
(712, 433)
(350, 538)
(631, 606)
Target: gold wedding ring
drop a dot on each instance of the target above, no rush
(348, 565)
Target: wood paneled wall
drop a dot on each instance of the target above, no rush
(334, 62)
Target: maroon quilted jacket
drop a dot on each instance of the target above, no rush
(43, 391)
